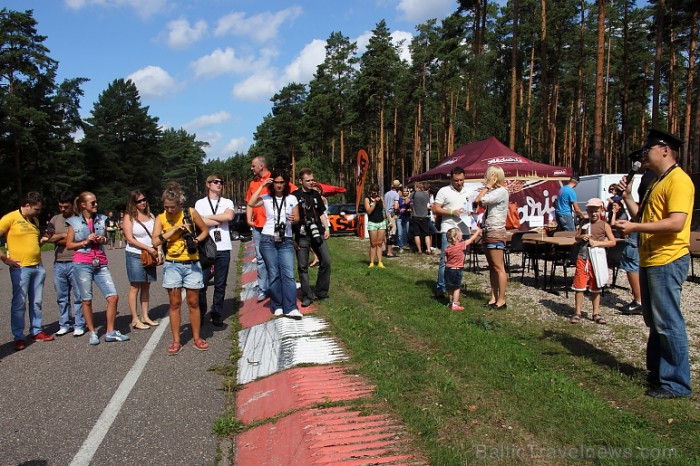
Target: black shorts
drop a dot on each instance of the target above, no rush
(420, 226)
(453, 278)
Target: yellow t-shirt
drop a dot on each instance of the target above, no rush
(22, 238)
(674, 193)
(177, 246)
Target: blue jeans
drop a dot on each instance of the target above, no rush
(64, 283)
(86, 274)
(263, 284)
(402, 225)
(565, 222)
(667, 347)
(27, 289)
(223, 258)
(279, 259)
(440, 288)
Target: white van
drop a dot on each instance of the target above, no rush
(597, 186)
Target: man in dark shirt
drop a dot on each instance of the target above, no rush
(312, 234)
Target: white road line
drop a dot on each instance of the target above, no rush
(98, 432)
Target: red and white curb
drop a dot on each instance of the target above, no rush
(286, 403)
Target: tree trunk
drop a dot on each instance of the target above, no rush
(514, 78)
(543, 140)
(656, 89)
(528, 138)
(685, 150)
(596, 160)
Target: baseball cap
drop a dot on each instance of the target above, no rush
(594, 202)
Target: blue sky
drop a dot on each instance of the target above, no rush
(210, 66)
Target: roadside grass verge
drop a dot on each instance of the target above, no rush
(483, 386)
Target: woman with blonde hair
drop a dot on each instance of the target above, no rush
(175, 228)
(138, 230)
(86, 236)
(493, 196)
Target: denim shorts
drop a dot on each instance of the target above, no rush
(182, 275)
(375, 226)
(86, 274)
(629, 262)
(496, 245)
(135, 270)
(453, 277)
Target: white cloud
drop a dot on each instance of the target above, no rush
(143, 8)
(396, 37)
(205, 121)
(262, 27)
(181, 35)
(222, 61)
(418, 11)
(153, 82)
(302, 69)
(258, 87)
(236, 145)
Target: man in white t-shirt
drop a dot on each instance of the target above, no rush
(453, 204)
(217, 212)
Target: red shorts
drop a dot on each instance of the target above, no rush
(584, 279)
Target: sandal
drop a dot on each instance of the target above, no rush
(598, 319)
(200, 344)
(575, 319)
(174, 348)
(140, 326)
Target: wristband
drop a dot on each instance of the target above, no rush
(162, 238)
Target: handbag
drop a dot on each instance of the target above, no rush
(147, 260)
(206, 248)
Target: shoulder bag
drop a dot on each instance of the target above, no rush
(207, 247)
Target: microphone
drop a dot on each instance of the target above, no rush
(635, 166)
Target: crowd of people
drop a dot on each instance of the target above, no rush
(290, 223)
(80, 235)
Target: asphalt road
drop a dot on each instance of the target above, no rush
(67, 403)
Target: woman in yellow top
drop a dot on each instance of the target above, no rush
(182, 268)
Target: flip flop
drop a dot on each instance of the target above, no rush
(174, 348)
(575, 319)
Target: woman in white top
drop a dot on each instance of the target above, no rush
(494, 197)
(138, 228)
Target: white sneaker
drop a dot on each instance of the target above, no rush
(78, 331)
(279, 312)
(295, 314)
(63, 331)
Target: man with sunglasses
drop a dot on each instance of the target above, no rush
(311, 234)
(663, 222)
(216, 211)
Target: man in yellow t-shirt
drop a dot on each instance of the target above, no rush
(664, 226)
(21, 228)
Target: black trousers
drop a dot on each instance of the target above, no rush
(323, 281)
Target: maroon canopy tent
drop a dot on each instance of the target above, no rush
(533, 186)
(476, 157)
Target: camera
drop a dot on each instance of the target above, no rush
(280, 229)
(191, 245)
(314, 232)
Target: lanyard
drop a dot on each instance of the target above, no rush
(214, 209)
(278, 210)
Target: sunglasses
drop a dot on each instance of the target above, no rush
(93, 203)
(217, 182)
(140, 201)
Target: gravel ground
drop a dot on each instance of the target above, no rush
(624, 337)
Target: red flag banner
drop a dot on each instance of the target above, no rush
(361, 174)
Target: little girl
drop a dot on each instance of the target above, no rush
(454, 264)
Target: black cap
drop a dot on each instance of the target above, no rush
(575, 178)
(658, 137)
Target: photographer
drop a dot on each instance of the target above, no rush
(312, 233)
(281, 210)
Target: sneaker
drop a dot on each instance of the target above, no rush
(371, 265)
(306, 302)
(78, 331)
(20, 345)
(262, 297)
(41, 336)
(633, 308)
(115, 336)
(279, 312)
(216, 320)
(456, 306)
(94, 339)
(62, 331)
(380, 265)
(295, 314)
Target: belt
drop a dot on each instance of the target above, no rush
(181, 262)
(455, 268)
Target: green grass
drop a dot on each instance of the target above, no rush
(482, 387)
